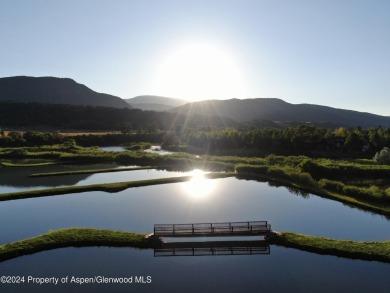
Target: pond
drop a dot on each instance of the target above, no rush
(283, 270)
(113, 148)
(200, 200)
(214, 200)
(17, 179)
(155, 149)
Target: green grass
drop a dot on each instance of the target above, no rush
(91, 154)
(107, 170)
(138, 146)
(84, 237)
(357, 180)
(366, 199)
(366, 205)
(309, 175)
(106, 187)
(378, 251)
(9, 164)
(73, 237)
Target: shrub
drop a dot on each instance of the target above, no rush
(331, 185)
(303, 178)
(138, 146)
(277, 172)
(383, 157)
(272, 159)
(376, 191)
(243, 168)
(17, 153)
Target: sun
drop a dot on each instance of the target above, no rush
(199, 187)
(199, 71)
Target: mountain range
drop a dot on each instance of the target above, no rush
(53, 90)
(260, 111)
(155, 103)
(277, 110)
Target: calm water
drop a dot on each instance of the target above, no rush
(113, 148)
(130, 176)
(155, 149)
(284, 270)
(200, 200)
(218, 200)
(17, 179)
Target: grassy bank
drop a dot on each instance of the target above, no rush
(349, 200)
(106, 187)
(79, 237)
(366, 198)
(360, 183)
(107, 170)
(73, 237)
(61, 153)
(378, 251)
(10, 164)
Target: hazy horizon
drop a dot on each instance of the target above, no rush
(329, 53)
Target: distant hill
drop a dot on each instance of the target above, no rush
(278, 110)
(79, 117)
(155, 103)
(53, 90)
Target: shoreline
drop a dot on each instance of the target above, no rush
(89, 237)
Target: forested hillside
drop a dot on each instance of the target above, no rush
(54, 90)
(37, 115)
(278, 110)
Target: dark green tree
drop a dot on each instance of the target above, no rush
(355, 141)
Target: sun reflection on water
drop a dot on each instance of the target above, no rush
(199, 187)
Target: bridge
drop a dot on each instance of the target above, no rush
(254, 228)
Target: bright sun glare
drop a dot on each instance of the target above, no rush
(199, 187)
(199, 71)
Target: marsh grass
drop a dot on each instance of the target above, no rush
(86, 237)
(10, 164)
(362, 183)
(106, 170)
(374, 199)
(378, 251)
(77, 237)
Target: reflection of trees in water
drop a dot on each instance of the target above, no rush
(248, 177)
(305, 194)
(298, 192)
(291, 189)
(272, 183)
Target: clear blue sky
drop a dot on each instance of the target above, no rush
(334, 53)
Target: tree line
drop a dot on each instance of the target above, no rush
(95, 118)
(209, 135)
(302, 139)
(35, 138)
(299, 140)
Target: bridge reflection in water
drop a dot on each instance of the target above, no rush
(210, 248)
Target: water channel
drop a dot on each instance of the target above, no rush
(200, 200)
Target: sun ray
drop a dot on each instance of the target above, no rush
(199, 71)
